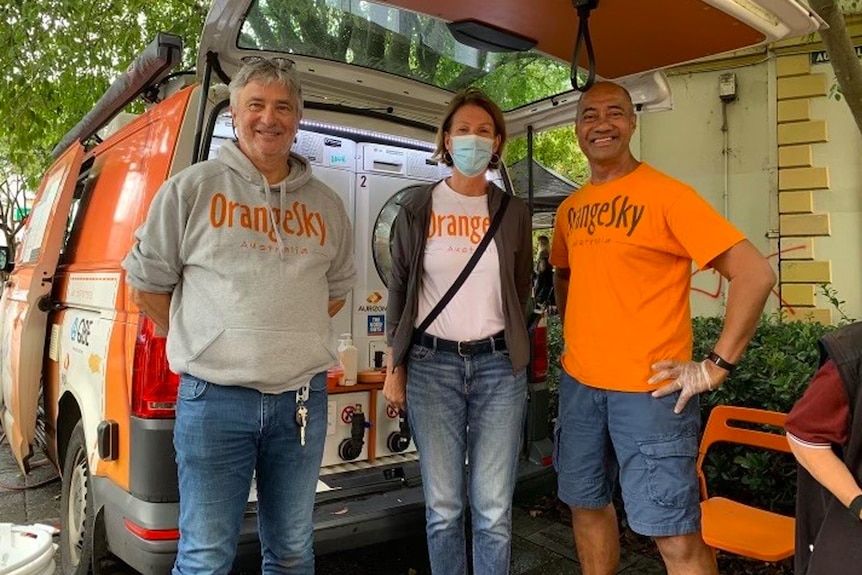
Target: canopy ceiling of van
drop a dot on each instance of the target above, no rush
(402, 54)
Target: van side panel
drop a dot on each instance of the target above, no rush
(130, 171)
(127, 171)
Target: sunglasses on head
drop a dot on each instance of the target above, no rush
(277, 61)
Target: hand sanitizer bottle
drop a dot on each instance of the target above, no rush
(348, 356)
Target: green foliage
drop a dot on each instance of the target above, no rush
(772, 374)
(831, 294)
(406, 43)
(524, 80)
(13, 202)
(555, 350)
(557, 149)
(835, 92)
(774, 370)
(850, 6)
(59, 56)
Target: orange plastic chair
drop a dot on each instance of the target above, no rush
(732, 526)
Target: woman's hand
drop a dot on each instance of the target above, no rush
(395, 388)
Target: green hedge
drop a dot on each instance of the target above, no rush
(773, 373)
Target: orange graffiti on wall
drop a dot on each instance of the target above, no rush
(719, 281)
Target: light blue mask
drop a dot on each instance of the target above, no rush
(471, 154)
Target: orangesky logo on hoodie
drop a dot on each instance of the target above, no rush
(298, 220)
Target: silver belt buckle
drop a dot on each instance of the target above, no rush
(462, 354)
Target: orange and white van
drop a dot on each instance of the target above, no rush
(376, 79)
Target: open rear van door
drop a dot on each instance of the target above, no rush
(22, 322)
(408, 57)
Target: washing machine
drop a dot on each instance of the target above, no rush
(222, 132)
(333, 161)
(389, 436)
(341, 408)
(384, 174)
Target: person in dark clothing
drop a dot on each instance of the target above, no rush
(824, 430)
(543, 290)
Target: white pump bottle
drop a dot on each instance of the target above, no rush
(348, 356)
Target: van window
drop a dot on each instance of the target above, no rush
(116, 188)
(222, 131)
(400, 42)
(83, 186)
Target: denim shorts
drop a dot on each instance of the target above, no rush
(603, 436)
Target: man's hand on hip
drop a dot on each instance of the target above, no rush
(689, 378)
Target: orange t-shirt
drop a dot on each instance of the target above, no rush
(629, 245)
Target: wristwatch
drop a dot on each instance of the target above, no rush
(720, 361)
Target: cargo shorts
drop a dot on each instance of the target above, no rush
(603, 437)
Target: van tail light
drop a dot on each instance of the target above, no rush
(152, 534)
(154, 385)
(539, 351)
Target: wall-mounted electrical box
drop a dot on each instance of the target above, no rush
(727, 86)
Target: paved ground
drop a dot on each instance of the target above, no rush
(540, 546)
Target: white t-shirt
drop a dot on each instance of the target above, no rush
(457, 226)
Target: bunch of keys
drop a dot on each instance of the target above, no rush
(302, 412)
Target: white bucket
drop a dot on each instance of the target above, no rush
(26, 550)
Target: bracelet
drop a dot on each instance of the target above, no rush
(720, 361)
(855, 507)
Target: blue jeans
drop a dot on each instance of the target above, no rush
(225, 434)
(467, 408)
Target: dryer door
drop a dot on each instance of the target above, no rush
(381, 242)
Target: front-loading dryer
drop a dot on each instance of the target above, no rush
(384, 174)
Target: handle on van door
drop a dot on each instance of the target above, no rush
(47, 304)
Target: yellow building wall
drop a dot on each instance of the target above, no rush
(787, 171)
(689, 144)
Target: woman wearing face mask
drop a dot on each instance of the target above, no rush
(462, 377)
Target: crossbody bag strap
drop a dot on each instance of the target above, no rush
(462, 277)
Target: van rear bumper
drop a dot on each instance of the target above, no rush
(117, 505)
(362, 508)
(155, 557)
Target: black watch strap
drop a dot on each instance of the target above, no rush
(720, 361)
(855, 507)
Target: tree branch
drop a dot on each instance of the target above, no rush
(842, 55)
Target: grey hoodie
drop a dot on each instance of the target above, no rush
(251, 269)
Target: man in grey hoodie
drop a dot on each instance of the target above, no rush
(242, 261)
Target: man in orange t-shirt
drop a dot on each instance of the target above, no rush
(630, 235)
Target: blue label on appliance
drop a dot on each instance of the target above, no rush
(376, 324)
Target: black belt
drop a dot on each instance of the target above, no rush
(495, 342)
